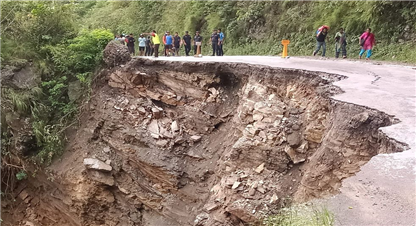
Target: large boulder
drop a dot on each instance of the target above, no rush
(116, 54)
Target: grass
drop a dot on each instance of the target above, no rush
(301, 215)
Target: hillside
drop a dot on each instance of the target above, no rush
(257, 27)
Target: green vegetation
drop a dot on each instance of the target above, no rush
(47, 34)
(257, 27)
(301, 215)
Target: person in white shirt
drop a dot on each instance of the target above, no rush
(142, 44)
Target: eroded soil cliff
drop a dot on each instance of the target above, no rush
(176, 143)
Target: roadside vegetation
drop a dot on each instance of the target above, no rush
(257, 28)
(44, 36)
(301, 215)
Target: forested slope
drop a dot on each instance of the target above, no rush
(257, 27)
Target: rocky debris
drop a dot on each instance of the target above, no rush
(157, 112)
(96, 164)
(153, 128)
(195, 138)
(24, 196)
(101, 177)
(274, 198)
(294, 155)
(22, 77)
(209, 207)
(260, 168)
(200, 219)
(157, 162)
(174, 126)
(106, 149)
(28, 223)
(116, 54)
(294, 139)
(235, 185)
(252, 191)
(359, 119)
(162, 143)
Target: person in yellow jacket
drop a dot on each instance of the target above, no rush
(155, 41)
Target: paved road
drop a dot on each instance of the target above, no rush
(383, 192)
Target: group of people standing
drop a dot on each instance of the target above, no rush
(149, 46)
(367, 42)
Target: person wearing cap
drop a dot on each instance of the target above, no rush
(186, 40)
(142, 44)
(155, 41)
(198, 42)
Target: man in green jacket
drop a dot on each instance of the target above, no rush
(341, 43)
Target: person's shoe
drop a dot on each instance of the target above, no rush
(314, 54)
(367, 58)
(360, 57)
(344, 57)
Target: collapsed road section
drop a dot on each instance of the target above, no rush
(181, 143)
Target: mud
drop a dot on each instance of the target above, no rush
(202, 144)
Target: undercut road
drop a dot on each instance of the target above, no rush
(383, 192)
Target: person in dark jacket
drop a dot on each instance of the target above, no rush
(186, 41)
(149, 48)
(130, 44)
(320, 41)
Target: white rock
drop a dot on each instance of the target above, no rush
(235, 185)
(274, 198)
(174, 126)
(260, 168)
(195, 138)
(96, 164)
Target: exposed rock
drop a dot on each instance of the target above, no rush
(174, 126)
(141, 110)
(162, 143)
(153, 128)
(28, 223)
(238, 209)
(106, 149)
(116, 54)
(261, 189)
(157, 113)
(274, 198)
(294, 156)
(96, 164)
(260, 168)
(211, 207)
(235, 185)
(200, 219)
(252, 191)
(105, 178)
(294, 139)
(195, 138)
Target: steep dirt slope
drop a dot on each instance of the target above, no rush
(173, 143)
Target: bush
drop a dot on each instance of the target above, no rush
(301, 215)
